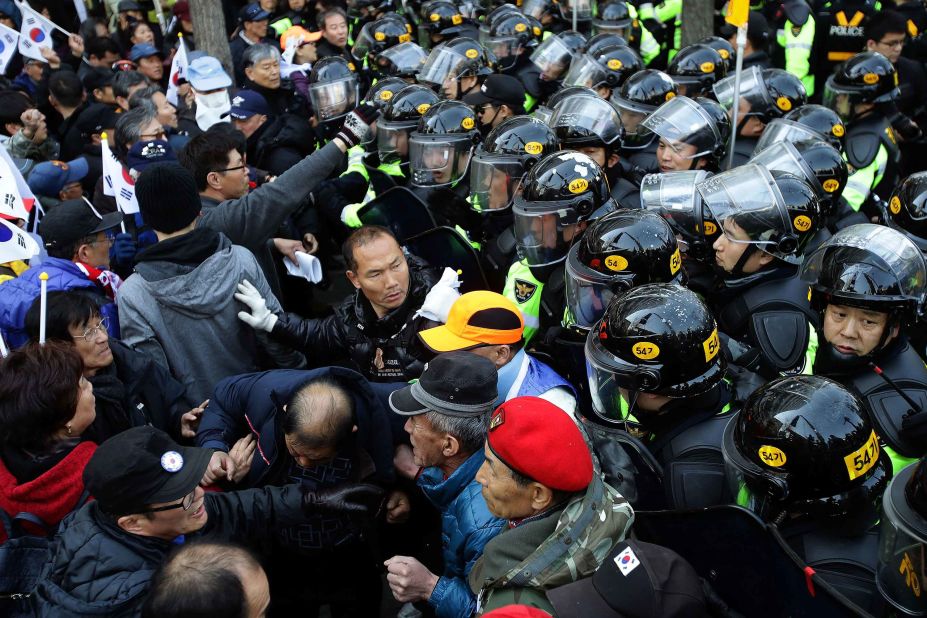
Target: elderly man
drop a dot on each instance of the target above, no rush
(374, 328)
(252, 30)
(319, 429)
(446, 414)
(275, 143)
(562, 518)
(147, 500)
(209, 84)
(261, 64)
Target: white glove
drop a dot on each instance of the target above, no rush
(260, 318)
(440, 297)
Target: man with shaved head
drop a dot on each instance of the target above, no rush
(318, 428)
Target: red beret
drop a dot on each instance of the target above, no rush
(516, 611)
(539, 440)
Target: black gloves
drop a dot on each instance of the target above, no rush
(357, 125)
(361, 499)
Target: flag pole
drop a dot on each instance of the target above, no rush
(4, 351)
(738, 14)
(43, 299)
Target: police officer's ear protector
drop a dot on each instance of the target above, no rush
(584, 206)
(645, 379)
(787, 244)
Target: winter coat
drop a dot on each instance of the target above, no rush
(97, 569)
(19, 294)
(179, 308)
(466, 527)
(249, 404)
(383, 349)
(552, 550)
(253, 219)
(280, 143)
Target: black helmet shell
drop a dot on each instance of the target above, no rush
(907, 209)
(646, 90)
(523, 137)
(449, 118)
(697, 67)
(786, 91)
(821, 119)
(410, 103)
(565, 178)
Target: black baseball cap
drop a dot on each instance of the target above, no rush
(72, 220)
(252, 12)
(499, 90)
(456, 384)
(140, 467)
(97, 118)
(636, 580)
(128, 5)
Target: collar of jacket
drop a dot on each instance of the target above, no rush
(442, 491)
(420, 281)
(192, 248)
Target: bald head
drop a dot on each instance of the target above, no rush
(320, 414)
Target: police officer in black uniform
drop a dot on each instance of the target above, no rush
(802, 454)
(869, 283)
(511, 37)
(657, 369)
(604, 69)
(688, 138)
(695, 69)
(906, 210)
(637, 98)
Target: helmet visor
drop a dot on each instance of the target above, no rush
(365, 42)
(393, 140)
(746, 204)
(584, 71)
(782, 130)
(587, 292)
(591, 114)
(442, 63)
(582, 8)
(673, 196)
(744, 477)
(534, 8)
(503, 47)
(552, 58)
(621, 28)
(332, 100)
(438, 160)
(840, 100)
(402, 59)
(494, 181)
(682, 121)
(752, 90)
(784, 157)
(899, 254)
(902, 572)
(543, 238)
(604, 390)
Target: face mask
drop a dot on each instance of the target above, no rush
(210, 107)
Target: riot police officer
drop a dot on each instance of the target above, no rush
(559, 196)
(688, 137)
(808, 122)
(455, 68)
(511, 37)
(656, 367)
(869, 283)
(695, 69)
(906, 210)
(639, 97)
(402, 61)
(377, 36)
(553, 58)
(858, 92)
(604, 70)
(621, 18)
(766, 220)
(591, 125)
(802, 454)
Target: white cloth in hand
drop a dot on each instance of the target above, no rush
(442, 295)
(307, 266)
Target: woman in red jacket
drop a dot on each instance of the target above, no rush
(45, 405)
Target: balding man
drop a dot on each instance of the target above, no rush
(318, 428)
(212, 579)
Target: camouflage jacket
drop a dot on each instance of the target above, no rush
(518, 565)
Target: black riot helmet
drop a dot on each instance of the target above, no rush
(508, 35)
(441, 147)
(674, 197)
(816, 162)
(382, 92)
(613, 18)
(786, 90)
(587, 121)
(564, 189)
(776, 211)
(607, 68)
(453, 60)
(622, 250)
(554, 56)
(907, 209)
(725, 50)
(359, 9)
(682, 121)
(753, 90)
(695, 68)
(376, 36)
(867, 77)
(658, 338)
(403, 60)
(601, 41)
(546, 112)
(818, 118)
(510, 150)
(439, 19)
(803, 446)
(868, 266)
(719, 115)
(901, 573)
(639, 96)
(333, 88)
(399, 117)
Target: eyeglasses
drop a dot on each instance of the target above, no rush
(185, 504)
(161, 134)
(233, 169)
(93, 331)
(893, 44)
(109, 239)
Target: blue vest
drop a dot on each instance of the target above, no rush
(540, 379)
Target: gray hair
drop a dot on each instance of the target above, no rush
(142, 98)
(124, 81)
(259, 53)
(470, 431)
(129, 130)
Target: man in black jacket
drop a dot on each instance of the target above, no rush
(275, 142)
(148, 499)
(375, 328)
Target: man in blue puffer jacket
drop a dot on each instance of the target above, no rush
(447, 411)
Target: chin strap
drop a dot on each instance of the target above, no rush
(738, 269)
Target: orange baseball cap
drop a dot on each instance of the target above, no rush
(300, 34)
(476, 318)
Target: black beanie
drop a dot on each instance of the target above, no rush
(167, 197)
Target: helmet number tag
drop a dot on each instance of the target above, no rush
(859, 462)
(772, 456)
(645, 351)
(578, 185)
(711, 345)
(675, 262)
(894, 205)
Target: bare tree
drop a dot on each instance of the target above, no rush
(209, 26)
(697, 20)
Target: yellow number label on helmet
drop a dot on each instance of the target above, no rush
(707, 67)
(379, 36)
(772, 456)
(534, 148)
(895, 205)
(860, 461)
(871, 78)
(405, 38)
(670, 95)
(521, 27)
(675, 262)
(578, 186)
(457, 20)
(386, 95)
(434, 17)
(802, 223)
(421, 109)
(724, 54)
(467, 123)
(838, 130)
(711, 345)
(830, 185)
(645, 351)
(784, 104)
(616, 263)
(471, 54)
(614, 64)
(710, 228)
